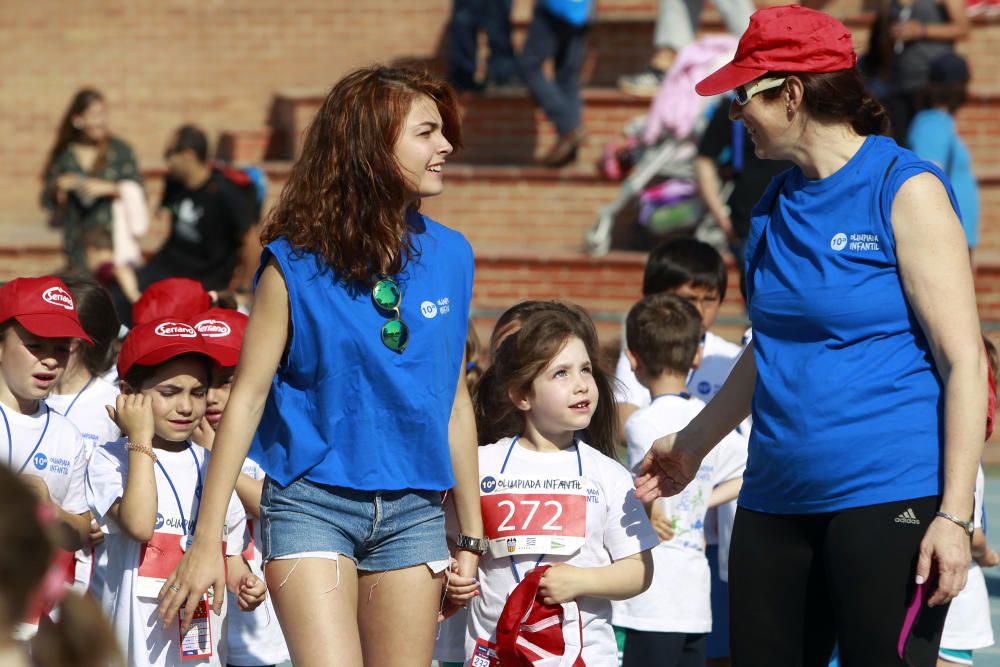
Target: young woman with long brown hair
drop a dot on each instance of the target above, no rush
(352, 376)
(82, 174)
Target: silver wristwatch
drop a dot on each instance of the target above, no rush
(966, 525)
(476, 545)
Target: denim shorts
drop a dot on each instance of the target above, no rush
(378, 530)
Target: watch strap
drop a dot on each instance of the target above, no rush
(477, 545)
(966, 525)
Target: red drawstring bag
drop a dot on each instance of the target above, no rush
(533, 634)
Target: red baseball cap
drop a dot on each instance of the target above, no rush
(533, 634)
(222, 329)
(158, 341)
(788, 38)
(179, 298)
(43, 306)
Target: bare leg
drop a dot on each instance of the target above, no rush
(317, 608)
(397, 616)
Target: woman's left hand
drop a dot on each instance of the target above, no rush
(945, 550)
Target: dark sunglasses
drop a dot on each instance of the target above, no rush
(387, 298)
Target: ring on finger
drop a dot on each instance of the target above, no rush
(174, 588)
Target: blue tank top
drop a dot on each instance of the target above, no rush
(346, 411)
(848, 406)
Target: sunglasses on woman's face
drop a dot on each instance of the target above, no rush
(387, 298)
(744, 93)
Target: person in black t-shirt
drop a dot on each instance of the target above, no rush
(750, 175)
(210, 219)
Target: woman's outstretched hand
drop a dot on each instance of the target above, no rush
(667, 468)
(200, 568)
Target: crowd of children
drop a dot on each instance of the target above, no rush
(111, 447)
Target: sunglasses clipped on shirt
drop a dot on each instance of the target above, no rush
(387, 298)
(744, 93)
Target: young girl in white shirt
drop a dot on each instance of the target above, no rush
(145, 492)
(80, 395)
(551, 492)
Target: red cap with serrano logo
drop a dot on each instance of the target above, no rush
(222, 329)
(789, 38)
(159, 341)
(43, 306)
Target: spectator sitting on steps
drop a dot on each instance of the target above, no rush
(210, 223)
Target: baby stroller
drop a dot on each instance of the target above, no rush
(663, 146)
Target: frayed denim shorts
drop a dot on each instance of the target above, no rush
(378, 530)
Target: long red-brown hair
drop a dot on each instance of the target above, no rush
(346, 194)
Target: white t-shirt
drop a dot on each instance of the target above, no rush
(129, 599)
(679, 598)
(254, 637)
(616, 528)
(718, 358)
(86, 410)
(967, 626)
(47, 445)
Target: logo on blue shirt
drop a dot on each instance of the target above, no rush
(429, 309)
(839, 241)
(488, 485)
(41, 461)
(704, 387)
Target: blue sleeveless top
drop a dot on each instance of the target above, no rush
(847, 406)
(346, 411)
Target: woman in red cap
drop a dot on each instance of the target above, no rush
(865, 376)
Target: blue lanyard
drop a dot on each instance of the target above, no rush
(78, 394)
(682, 394)
(579, 465)
(197, 489)
(10, 439)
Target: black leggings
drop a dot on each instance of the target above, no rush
(663, 649)
(799, 583)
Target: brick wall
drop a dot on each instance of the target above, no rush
(164, 63)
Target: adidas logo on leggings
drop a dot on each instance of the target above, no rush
(908, 517)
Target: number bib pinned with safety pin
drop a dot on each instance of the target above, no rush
(534, 514)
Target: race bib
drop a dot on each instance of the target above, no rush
(158, 558)
(196, 643)
(484, 654)
(534, 515)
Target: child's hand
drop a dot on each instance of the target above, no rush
(458, 589)
(662, 524)
(561, 583)
(251, 593)
(989, 558)
(96, 535)
(133, 413)
(204, 434)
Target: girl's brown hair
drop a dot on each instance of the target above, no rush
(346, 195)
(68, 133)
(522, 356)
(99, 319)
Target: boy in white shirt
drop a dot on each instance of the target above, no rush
(667, 625)
(696, 272)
